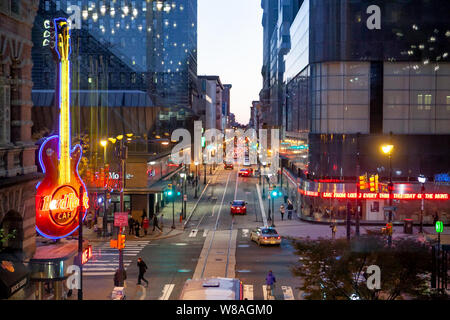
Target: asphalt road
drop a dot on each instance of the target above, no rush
(174, 260)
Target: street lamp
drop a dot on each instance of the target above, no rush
(387, 149)
(422, 179)
(104, 143)
(196, 179)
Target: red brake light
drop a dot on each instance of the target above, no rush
(279, 238)
(265, 238)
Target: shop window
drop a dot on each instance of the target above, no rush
(12, 224)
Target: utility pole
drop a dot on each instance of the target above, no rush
(358, 206)
(123, 154)
(348, 220)
(80, 241)
(391, 188)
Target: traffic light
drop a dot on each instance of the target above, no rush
(121, 241)
(362, 182)
(275, 193)
(376, 184)
(372, 183)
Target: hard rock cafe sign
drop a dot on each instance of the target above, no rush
(58, 194)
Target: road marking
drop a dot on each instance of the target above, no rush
(287, 293)
(205, 232)
(167, 290)
(237, 183)
(261, 206)
(248, 292)
(193, 233)
(265, 293)
(245, 233)
(98, 274)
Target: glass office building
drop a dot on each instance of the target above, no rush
(129, 45)
(356, 66)
(344, 76)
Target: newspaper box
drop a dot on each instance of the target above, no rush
(118, 293)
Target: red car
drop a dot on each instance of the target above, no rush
(238, 207)
(244, 173)
(228, 166)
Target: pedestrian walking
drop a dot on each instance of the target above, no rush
(155, 223)
(145, 225)
(282, 210)
(142, 269)
(290, 208)
(116, 277)
(136, 228)
(333, 230)
(435, 218)
(270, 283)
(130, 224)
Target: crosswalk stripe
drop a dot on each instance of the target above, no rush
(248, 292)
(98, 274)
(193, 233)
(205, 232)
(287, 293)
(265, 293)
(167, 290)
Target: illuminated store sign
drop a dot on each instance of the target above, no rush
(57, 195)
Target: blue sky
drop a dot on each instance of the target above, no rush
(230, 46)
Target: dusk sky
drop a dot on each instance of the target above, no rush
(230, 46)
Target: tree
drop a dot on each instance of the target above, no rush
(336, 269)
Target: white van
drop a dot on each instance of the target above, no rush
(212, 289)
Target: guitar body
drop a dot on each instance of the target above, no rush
(57, 204)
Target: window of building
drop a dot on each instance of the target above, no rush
(133, 77)
(122, 78)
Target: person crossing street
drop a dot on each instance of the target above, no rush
(270, 284)
(142, 269)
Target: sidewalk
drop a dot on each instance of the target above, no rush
(168, 232)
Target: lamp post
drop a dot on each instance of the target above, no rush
(387, 149)
(264, 169)
(123, 155)
(358, 206)
(196, 179)
(104, 144)
(422, 179)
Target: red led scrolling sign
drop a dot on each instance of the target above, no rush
(396, 196)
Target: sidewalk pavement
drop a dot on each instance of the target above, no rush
(167, 232)
(297, 228)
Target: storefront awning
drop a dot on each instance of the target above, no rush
(14, 275)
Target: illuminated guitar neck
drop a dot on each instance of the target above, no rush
(64, 103)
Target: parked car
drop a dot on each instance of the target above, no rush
(238, 207)
(265, 235)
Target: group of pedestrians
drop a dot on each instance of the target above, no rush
(290, 209)
(134, 226)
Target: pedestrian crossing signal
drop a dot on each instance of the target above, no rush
(113, 243)
(373, 183)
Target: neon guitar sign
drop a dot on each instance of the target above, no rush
(57, 195)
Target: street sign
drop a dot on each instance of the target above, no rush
(120, 219)
(393, 208)
(439, 226)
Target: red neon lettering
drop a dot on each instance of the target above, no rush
(352, 195)
(369, 195)
(441, 196)
(327, 194)
(429, 196)
(384, 195)
(339, 195)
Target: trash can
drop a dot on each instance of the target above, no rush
(408, 226)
